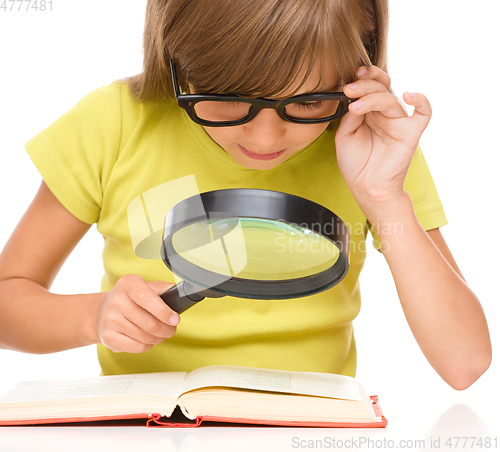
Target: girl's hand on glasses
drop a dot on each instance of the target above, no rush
(376, 140)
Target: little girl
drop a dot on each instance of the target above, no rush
(128, 152)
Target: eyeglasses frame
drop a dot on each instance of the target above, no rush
(188, 101)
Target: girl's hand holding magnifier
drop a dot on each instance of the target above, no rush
(376, 140)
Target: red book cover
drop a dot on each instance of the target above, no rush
(156, 420)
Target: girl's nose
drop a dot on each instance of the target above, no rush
(266, 130)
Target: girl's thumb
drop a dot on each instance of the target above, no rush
(160, 286)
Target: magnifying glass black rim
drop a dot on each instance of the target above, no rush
(261, 204)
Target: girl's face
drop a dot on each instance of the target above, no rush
(267, 140)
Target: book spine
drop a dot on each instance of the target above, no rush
(156, 421)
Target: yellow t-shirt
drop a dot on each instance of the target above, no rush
(123, 165)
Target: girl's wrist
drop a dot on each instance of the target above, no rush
(387, 217)
(90, 322)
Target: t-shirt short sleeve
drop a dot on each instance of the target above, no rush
(426, 203)
(75, 152)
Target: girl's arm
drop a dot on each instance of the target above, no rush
(132, 317)
(443, 313)
(375, 143)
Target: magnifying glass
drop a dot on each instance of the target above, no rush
(251, 243)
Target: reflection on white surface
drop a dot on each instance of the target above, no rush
(431, 433)
(456, 428)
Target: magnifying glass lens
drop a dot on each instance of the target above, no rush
(255, 249)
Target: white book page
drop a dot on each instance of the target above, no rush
(163, 384)
(306, 383)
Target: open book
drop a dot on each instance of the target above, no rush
(213, 393)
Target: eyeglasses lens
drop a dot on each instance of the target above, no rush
(313, 110)
(218, 111)
(221, 111)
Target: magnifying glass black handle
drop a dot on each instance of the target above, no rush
(177, 299)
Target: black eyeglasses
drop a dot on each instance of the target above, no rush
(217, 110)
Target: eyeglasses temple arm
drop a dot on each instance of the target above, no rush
(174, 78)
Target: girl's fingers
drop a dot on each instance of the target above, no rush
(144, 294)
(151, 328)
(387, 104)
(423, 111)
(349, 124)
(374, 73)
(361, 88)
(138, 334)
(122, 343)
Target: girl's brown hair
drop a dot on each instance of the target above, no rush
(256, 48)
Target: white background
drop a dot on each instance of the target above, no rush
(446, 50)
